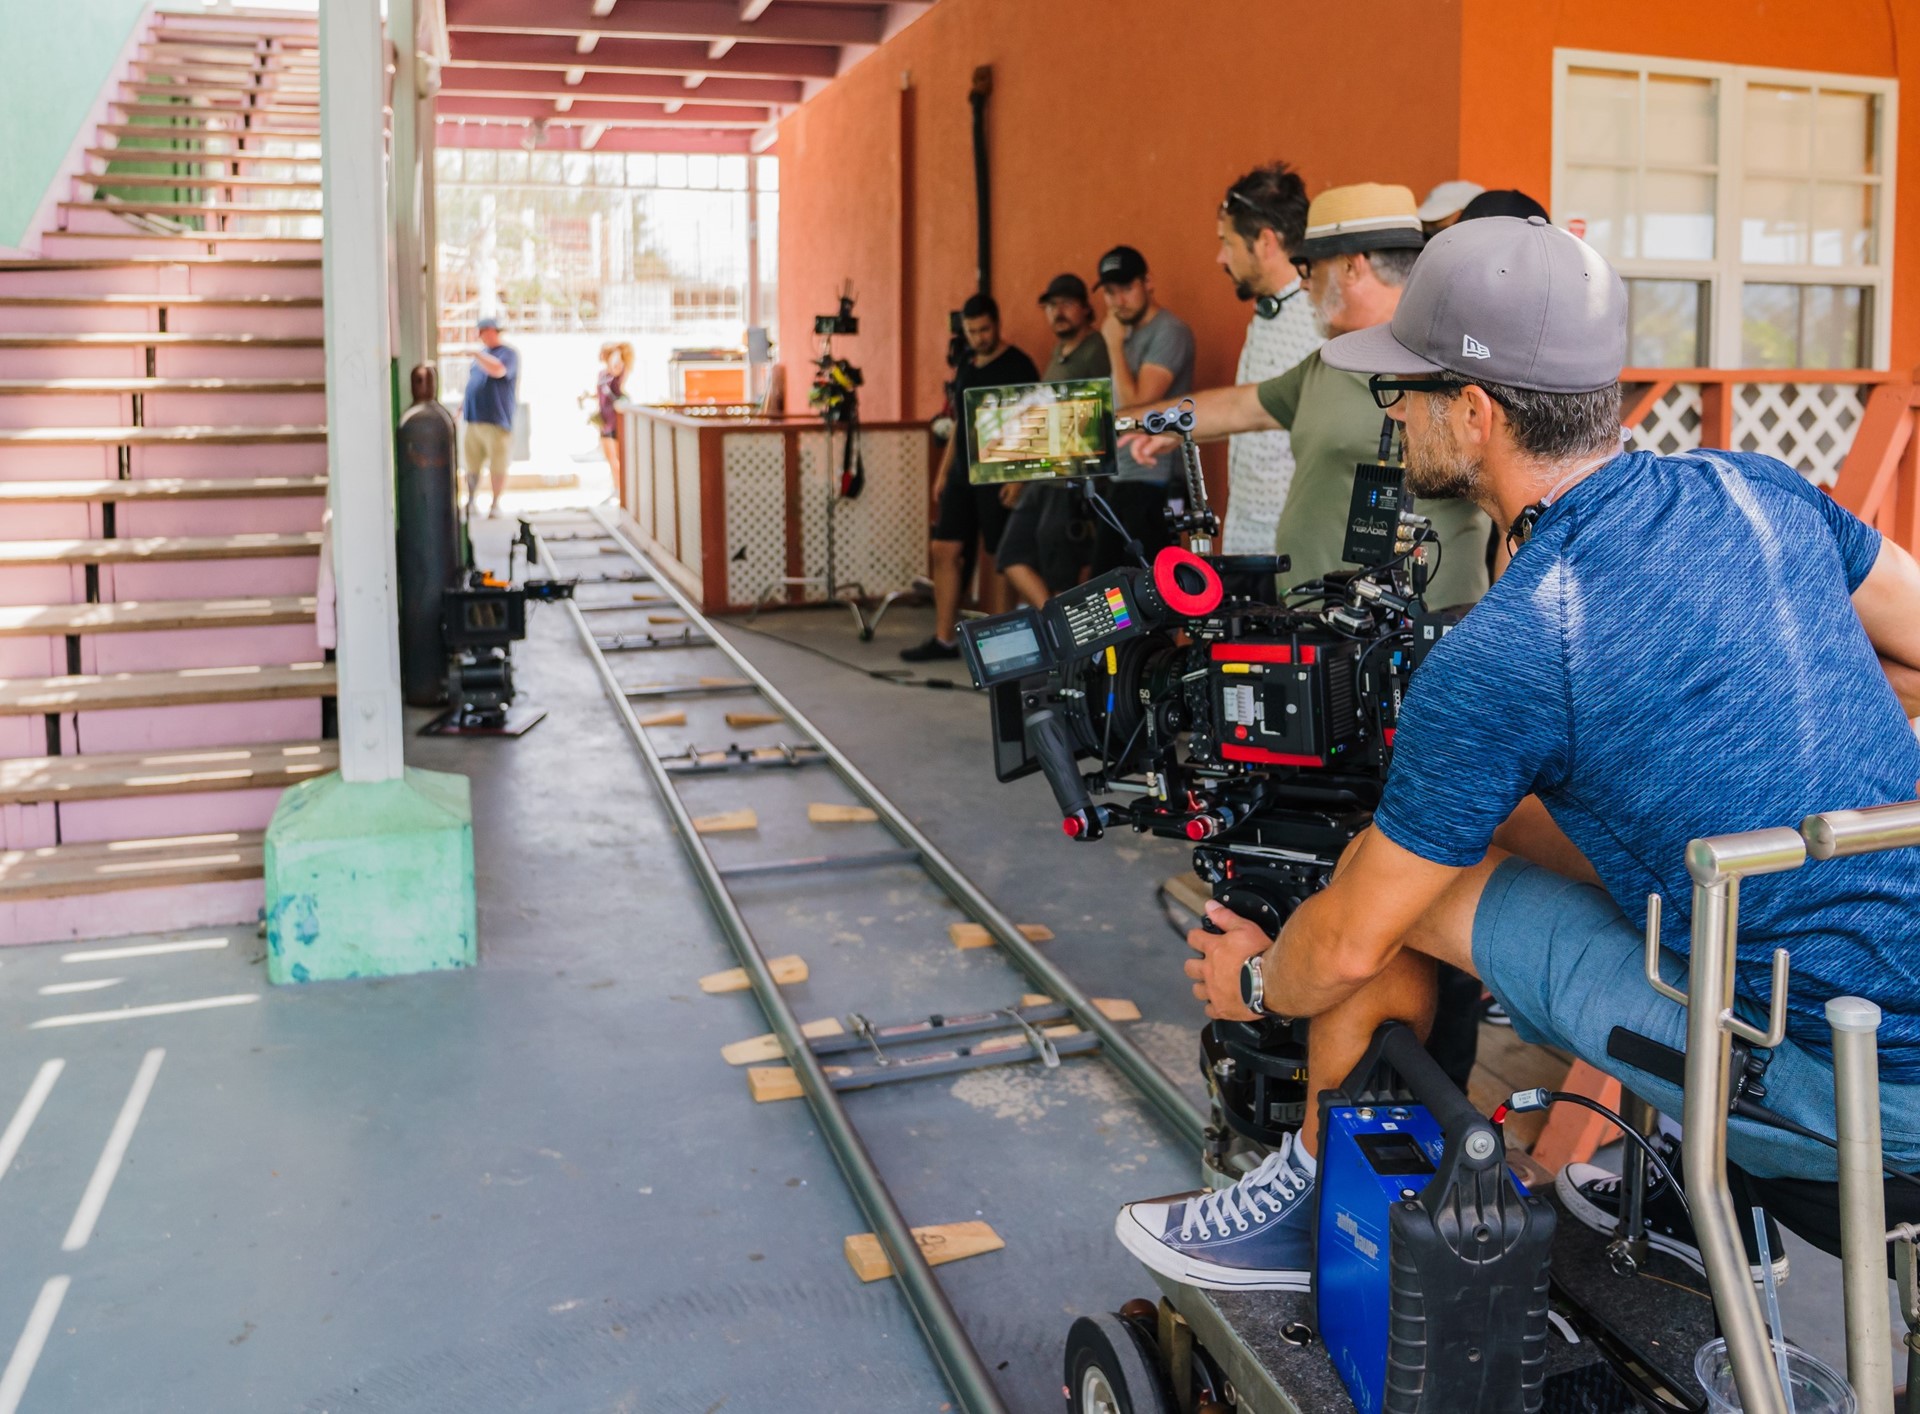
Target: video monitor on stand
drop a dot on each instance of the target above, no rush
(1040, 431)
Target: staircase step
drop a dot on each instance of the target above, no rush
(183, 183)
(159, 134)
(152, 549)
(117, 775)
(64, 870)
(216, 89)
(134, 339)
(153, 155)
(154, 436)
(160, 488)
(160, 262)
(120, 301)
(151, 615)
(183, 111)
(177, 208)
(181, 687)
(12, 387)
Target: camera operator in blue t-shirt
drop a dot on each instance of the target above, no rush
(1682, 646)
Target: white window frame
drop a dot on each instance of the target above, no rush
(1726, 273)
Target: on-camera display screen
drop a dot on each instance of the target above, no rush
(1039, 431)
(1009, 648)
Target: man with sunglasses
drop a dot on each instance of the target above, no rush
(1359, 244)
(1681, 647)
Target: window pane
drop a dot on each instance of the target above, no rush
(1680, 121)
(513, 166)
(1779, 128)
(768, 177)
(609, 169)
(446, 163)
(672, 169)
(1603, 198)
(1773, 222)
(733, 173)
(1676, 216)
(1770, 326)
(1843, 223)
(1666, 320)
(1843, 135)
(545, 166)
(703, 171)
(639, 169)
(577, 166)
(480, 165)
(1834, 327)
(1603, 116)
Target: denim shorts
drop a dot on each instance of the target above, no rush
(1568, 966)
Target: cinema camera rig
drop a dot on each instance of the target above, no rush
(482, 620)
(1216, 709)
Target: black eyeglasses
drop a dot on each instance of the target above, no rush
(1388, 390)
(1303, 267)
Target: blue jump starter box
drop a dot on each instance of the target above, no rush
(1431, 1275)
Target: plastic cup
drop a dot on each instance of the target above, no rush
(1817, 1387)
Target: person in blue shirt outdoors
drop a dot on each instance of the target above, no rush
(486, 443)
(1681, 646)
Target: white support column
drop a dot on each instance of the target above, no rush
(410, 237)
(359, 413)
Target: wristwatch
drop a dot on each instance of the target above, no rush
(1253, 985)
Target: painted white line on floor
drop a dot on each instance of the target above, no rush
(132, 1013)
(104, 1172)
(144, 950)
(61, 989)
(15, 1133)
(26, 1353)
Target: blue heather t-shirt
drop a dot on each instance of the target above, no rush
(491, 399)
(1674, 654)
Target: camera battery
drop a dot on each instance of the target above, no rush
(1283, 704)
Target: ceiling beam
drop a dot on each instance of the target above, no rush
(559, 138)
(594, 84)
(751, 10)
(674, 19)
(719, 48)
(584, 111)
(643, 56)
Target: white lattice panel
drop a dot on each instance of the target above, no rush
(686, 450)
(881, 536)
(1673, 424)
(754, 473)
(661, 527)
(1808, 426)
(639, 445)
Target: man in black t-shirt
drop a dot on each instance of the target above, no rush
(967, 512)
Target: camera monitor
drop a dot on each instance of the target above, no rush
(1039, 431)
(1006, 647)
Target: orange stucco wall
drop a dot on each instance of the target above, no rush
(1506, 84)
(1110, 121)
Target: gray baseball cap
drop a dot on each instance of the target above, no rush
(1521, 303)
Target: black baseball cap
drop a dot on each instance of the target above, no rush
(1122, 266)
(1065, 287)
(1504, 202)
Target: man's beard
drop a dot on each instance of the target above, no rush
(1327, 307)
(1437, 468)
(1243, 292)
(1129, 319)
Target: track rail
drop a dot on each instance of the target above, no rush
(946, 1337)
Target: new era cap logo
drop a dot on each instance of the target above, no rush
(1471, 347)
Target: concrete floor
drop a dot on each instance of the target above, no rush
(534, 1186)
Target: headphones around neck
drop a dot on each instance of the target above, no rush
(1268, 306)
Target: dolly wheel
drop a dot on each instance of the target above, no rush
(1110, 1369)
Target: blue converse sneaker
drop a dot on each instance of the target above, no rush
(1254, 1236)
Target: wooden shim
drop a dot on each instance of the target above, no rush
(1189, 893)
(786, 971)
(754, 719)
(665, 619)
(1113, 1008)
(975, 935)
(840, 814)
(759, 1049)
(1057, 1031)
(726, 820)
(767, 1083)
(943, 1242)
(1035, 999)
(665, 719)
(722, 682)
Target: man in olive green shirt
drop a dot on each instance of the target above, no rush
(1361, 241)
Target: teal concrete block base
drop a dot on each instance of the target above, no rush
(370, 879)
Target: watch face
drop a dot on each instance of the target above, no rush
(1249, 976)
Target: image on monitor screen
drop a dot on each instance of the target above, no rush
(1039, 431)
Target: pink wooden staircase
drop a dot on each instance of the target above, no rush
(162, 478)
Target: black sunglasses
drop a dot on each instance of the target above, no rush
(1388, 390)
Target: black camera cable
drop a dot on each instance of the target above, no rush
(893, 677)
(1134, 549)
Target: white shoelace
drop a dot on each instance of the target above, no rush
(1244, 1200)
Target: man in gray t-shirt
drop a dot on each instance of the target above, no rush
(1152, 354)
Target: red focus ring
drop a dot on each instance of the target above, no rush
(1186, 583)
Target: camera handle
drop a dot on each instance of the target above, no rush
(1046, 730)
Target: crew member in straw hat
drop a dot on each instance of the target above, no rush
(1361, 242)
